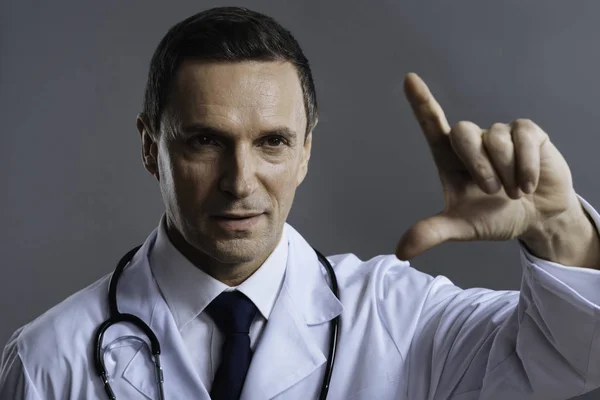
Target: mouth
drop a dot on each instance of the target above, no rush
(237, 216)
(238, 222)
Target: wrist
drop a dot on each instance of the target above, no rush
(570, 238)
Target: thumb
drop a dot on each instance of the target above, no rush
(431, 232)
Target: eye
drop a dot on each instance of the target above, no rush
(275, 141)
(203, 140)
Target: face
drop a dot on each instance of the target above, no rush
(229, 157)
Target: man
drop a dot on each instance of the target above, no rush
(239, 301)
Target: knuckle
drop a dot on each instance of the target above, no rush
(521, 135)
(498, 126)
(524, 123)
(527, 131)
(498, 141)
(462, 134)
(462, 127)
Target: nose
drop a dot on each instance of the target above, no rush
(239, 177)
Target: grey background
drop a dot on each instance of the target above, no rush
(74, 193)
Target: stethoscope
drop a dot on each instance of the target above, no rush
(116, 317)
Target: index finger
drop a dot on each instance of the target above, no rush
(427, 110)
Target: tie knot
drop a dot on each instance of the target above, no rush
(233, 312)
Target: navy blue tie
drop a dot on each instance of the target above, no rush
(233, 313)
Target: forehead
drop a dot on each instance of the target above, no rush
(239, 93)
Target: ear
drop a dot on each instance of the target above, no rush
(303, 170)
(149, 145)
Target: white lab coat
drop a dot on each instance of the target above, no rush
(404, 335)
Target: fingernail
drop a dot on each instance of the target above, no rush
(528, 187)
(492, 185)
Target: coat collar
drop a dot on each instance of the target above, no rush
(138, 294)
(307, 284)
(287, 351)
(188, 290)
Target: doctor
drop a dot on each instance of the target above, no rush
(227, 130)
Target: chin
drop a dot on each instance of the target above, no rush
(235, 250)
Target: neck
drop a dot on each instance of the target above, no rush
(231, 274)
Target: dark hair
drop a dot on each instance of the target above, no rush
(224, 34)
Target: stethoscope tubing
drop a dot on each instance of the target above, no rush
(115, 316)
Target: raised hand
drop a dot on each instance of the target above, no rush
(499, 183)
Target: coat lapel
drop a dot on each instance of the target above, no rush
(138, 294)
(288, 352)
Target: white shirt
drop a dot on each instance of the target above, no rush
(187, 291)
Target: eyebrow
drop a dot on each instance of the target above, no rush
(199, 128)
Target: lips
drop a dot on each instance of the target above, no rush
(238, 222)
(237, 215)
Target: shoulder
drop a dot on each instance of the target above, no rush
(385, 291)
(383, 274)
(385, 286)
(391, 288)
(64, 333)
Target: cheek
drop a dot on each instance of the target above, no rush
(191, 181)
(283, 181)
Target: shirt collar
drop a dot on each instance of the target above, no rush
(188, 290)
